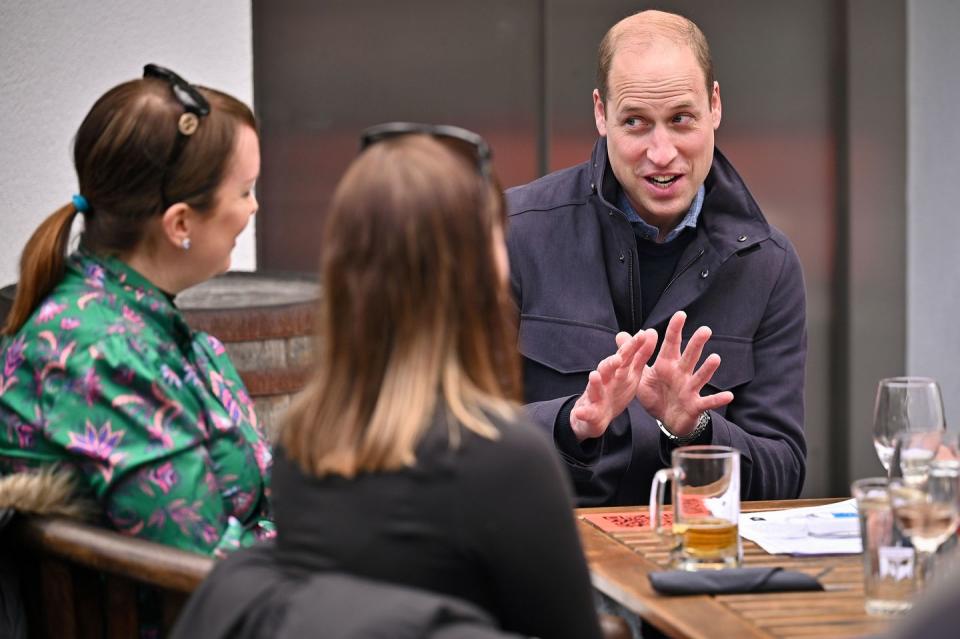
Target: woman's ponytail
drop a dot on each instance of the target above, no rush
(41, 266)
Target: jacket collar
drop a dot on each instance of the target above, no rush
(729, 211)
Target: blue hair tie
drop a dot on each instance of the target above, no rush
(80, 203)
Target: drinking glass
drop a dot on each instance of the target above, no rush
(904, 404)
(916, 451)
(927, 513)
(890, 578)
(706, 507)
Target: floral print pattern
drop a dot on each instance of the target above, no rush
(107, 378)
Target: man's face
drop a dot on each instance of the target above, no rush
(659, 123)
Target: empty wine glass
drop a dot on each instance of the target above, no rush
(929, 513)
(904, 404)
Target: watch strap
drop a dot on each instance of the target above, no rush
(702, 422)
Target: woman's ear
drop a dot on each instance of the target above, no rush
(176, 222)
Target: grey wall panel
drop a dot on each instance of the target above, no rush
(325, 70)
(876, 159)
(933, 226)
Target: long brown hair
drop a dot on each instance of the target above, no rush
(120, 154)
(414, 316)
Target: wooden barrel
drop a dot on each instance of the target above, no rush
(7, 293)
(266, 322)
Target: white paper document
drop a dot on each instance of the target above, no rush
(833, 529)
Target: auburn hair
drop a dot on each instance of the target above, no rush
(415, 315)
(120, 154)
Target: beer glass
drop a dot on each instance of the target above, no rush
(706, 507)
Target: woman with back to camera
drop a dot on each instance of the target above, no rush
(101, 374)
(406, 459)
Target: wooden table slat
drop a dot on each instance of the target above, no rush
(807, 629)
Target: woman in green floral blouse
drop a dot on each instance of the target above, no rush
(101, 375)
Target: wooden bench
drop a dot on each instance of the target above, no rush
(82, 582)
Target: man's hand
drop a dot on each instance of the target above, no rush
(613, 385)
(670, 389)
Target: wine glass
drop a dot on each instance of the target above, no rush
(904, 404)
(928, 513)
(915, 451)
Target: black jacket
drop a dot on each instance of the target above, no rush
(248, 596)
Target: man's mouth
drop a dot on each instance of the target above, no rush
(662, 181)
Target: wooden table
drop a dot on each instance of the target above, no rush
(620, 562)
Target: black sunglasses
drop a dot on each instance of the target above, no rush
(194, 105)
(470, 143)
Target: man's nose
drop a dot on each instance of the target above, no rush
(662, 149)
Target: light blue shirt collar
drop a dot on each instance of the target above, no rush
(650, 232)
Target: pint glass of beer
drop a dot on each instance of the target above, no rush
(706, 505)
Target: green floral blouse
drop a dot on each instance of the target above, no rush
(107, 379)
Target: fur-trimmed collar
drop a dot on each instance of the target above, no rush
(49, 491)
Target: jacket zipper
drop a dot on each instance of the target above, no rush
(633, 307)
(683, 270)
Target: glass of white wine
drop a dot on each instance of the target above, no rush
(918, 450)
(904, 404)
(929, 513)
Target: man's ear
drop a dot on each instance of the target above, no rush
(599, 113)
(176, 223)
(715, 108)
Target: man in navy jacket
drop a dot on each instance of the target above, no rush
(654, 232)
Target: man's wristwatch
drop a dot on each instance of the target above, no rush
(702, 422)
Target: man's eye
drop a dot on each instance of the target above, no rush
(632, 121)
(682, 118)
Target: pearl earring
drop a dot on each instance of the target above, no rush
(185, 244)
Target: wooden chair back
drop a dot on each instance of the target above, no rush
(79, 581)
(83, 582)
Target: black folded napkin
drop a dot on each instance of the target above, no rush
(731, 581)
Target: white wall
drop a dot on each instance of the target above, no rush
(933, 196)
(58, 56)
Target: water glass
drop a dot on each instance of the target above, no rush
(890, 569)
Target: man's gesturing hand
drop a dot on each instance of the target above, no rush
(670, 389)
(613, 385)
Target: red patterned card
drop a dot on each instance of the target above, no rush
(626, 521)
(622, 522)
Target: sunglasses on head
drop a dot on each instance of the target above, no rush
(469, 143)
(195, 106)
